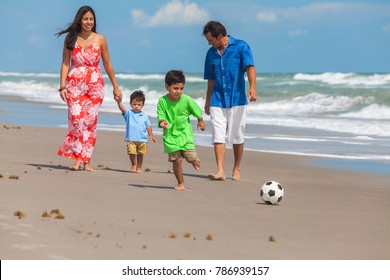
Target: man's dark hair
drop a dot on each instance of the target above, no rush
(215, 28)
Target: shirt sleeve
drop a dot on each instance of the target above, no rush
(208, 73)
(161, 111)
(247, 56)
(147, 121)
(196, 111)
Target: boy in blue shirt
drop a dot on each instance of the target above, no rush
(138, 127)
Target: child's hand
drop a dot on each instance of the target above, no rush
(164, 124)
(153, 139)
(201, 125)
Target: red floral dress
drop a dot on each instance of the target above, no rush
(85, 88)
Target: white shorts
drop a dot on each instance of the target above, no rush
(228, 122)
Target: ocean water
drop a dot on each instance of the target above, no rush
(331, 115)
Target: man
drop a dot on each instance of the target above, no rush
(226, 63)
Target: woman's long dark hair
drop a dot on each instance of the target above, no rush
(75, 27)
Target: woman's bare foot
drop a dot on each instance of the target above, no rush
(180, 187)
(196, 164)
(87, 167)
(76, 166)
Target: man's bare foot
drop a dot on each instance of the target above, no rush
(236, 175)
(180, 187)
(217, 176)
(139, 170)
(196, 164)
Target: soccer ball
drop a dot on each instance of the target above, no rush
(272, 192)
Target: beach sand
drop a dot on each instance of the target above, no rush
(114, 214)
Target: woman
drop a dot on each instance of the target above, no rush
(82, 86)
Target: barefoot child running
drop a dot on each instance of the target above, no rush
(137, 129)
(173, 112)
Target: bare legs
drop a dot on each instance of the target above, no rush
(220, 152)
(238, 150)
(178, 170)
(136, 163)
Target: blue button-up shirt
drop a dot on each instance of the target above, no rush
(227, 71)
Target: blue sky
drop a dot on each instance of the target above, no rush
(158, 35)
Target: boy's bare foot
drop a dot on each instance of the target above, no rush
(139, 171)
(180, 187)
(75, 166)
(217, 177)
(133, 169)
(196, 164)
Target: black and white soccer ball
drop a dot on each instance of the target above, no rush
(272, 192)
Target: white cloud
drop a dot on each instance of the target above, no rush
(138, 16)
(297, 33)
(174, 13)
(267, 17)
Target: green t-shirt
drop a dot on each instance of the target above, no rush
(179, 135)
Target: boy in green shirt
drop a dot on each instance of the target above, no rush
(173, 113)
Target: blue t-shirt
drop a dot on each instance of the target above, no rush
(227, 71)
(136, 124)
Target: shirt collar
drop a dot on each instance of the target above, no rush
(140, 112)
(231, 41)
